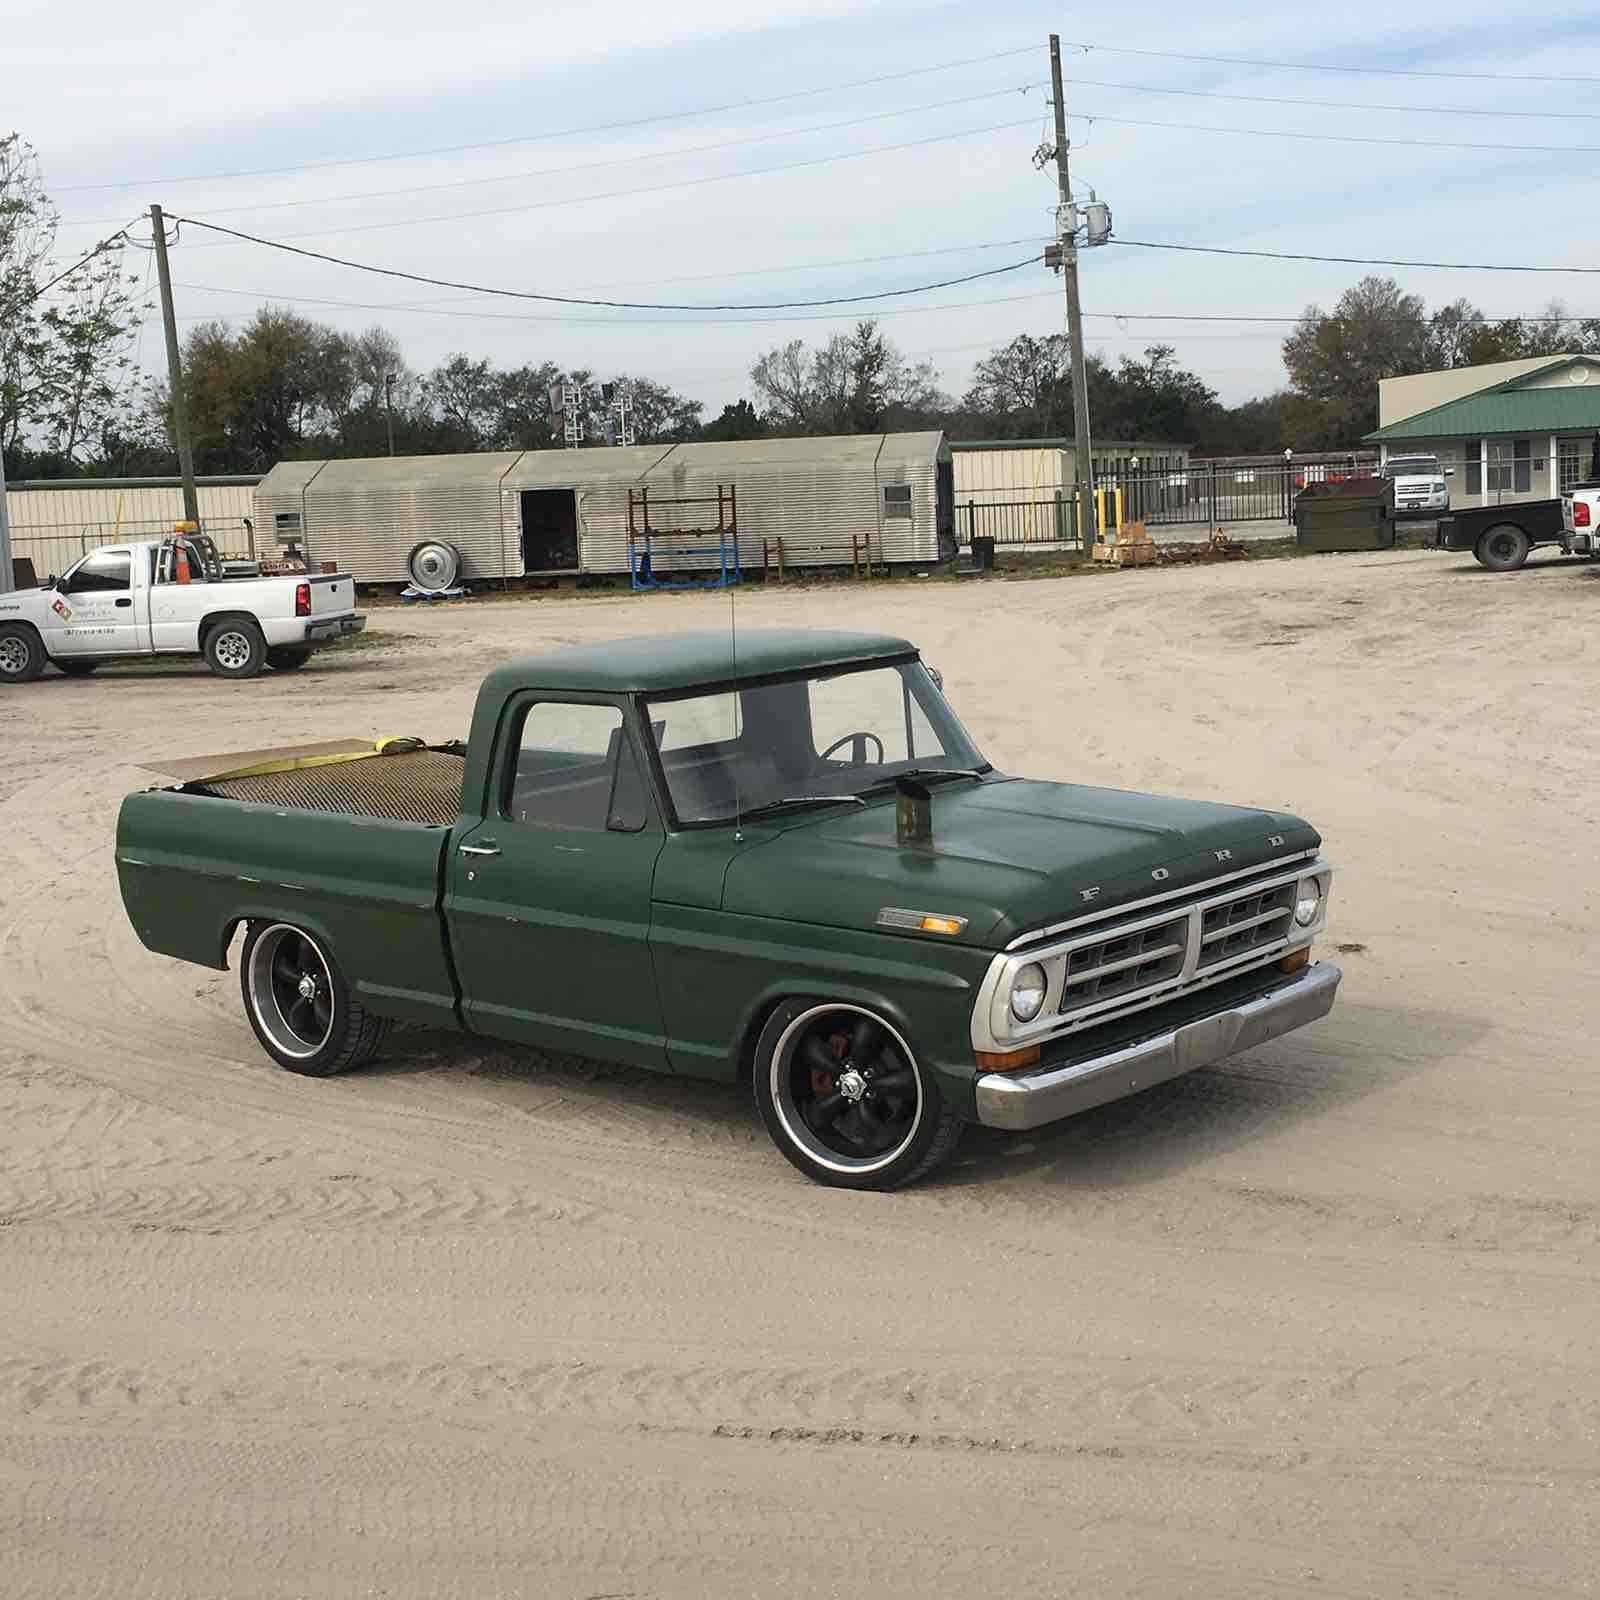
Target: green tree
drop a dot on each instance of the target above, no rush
(858, 382)
(1336, 359)
(66, 369)
(740, 420)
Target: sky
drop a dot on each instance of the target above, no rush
(717, 153)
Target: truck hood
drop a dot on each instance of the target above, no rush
(1009, 855)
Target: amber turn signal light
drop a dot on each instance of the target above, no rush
(1008, 1060)
(1295, 960)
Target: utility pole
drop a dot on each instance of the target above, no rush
(1066, 233)
(180, 407)
(388, 406)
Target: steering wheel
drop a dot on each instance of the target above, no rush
(858, 748)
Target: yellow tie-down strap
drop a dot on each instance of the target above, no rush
(394, 745)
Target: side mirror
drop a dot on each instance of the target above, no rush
(50, 582)
(1449, 472)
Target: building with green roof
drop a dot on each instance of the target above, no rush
(1511, 430)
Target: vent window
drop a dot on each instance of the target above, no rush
(897, 500)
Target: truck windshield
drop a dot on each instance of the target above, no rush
(819, 736)
(1414, 467)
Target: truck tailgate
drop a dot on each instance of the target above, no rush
(332, 593)
(192, 866)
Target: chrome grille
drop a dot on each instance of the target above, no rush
(1121, 963)
(1242, 925)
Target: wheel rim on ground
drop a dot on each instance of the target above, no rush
(291, 991)
(1503, 546)
(14, 656)
(434, 567)
(845, 1088)
(232, 650)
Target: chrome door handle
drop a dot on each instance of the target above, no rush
(479, 849)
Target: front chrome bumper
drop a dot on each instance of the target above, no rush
(1030, 1099)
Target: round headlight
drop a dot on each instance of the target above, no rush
(1308, 903)
(1027, 992)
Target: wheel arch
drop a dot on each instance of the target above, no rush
(814, 987)
(212, 619)
(33, 628)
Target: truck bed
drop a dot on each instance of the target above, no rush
(410, 786)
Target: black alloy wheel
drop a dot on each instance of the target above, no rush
(844, 1099)
(299, 1005)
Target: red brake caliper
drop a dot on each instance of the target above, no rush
(822, 1082)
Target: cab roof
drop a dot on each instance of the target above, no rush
(662, 663)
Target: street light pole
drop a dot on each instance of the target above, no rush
(388, 406)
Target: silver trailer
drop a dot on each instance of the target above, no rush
(832, 501)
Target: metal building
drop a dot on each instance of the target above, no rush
(54, 521)
(888, 497)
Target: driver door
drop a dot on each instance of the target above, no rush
(92, 613)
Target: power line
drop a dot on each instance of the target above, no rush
(1346, 261)
(662, 188)
(612, 305)
(1343, 138)
(1337, 105)
(788, 268)
(104, 245)
(596, 166)
(563, 133)
(1322, 66)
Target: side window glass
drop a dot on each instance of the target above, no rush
(103, 571)
(575, 769)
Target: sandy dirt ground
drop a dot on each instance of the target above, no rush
(472, 1323)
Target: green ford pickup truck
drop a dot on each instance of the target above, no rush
(782, 859)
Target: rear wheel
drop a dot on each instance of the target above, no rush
(21, 654)
(844, 1099)
(1503, 548)
(287, 657)
(76, 668)
(234, 648)
(300, 1006)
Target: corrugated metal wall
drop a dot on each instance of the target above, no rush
(53, 527)
(814, 494)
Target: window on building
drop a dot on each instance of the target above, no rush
(1572, 461)
(1474, 465)
(897, 500)
(286, 521)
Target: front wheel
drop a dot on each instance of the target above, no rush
(300, 1006)
(235, 649)
(844, 1099)
(21, 654)
(1503, 548)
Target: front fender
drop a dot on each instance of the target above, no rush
(720, 975)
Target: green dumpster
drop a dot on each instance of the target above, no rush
(1350, 514)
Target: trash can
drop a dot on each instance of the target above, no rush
(1351, 514)
(983, 552)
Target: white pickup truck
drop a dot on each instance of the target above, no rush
(1580, 516)
(170, 597)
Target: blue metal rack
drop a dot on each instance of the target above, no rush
(653, 551)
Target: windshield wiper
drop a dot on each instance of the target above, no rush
(804, 800)
(927, 772)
